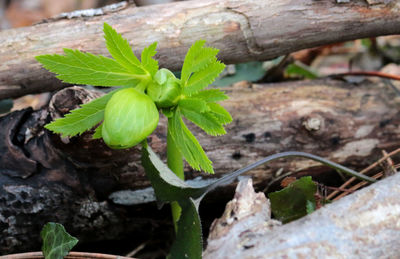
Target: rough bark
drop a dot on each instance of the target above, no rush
(77, 181)
(362, 225)
(242, 30)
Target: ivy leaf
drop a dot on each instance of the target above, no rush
(81, 119)
(148, 62)
(77, 67)
(56, 241)
(121, 51)
(293, 202)
(210, 95)
(188, 144)
(203, 78)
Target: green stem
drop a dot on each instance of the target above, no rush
(175, 163)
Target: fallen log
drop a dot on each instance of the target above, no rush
(242, 30)
(361, 225)
(78, 181)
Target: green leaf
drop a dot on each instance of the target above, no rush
(167, 186)
(193, 104)
(188, 144)
(299, 69)
(121, 51)
(310, 207)
(205, 120)
(56, 241)
(98, 132)
(201, 79)
(219, 113)
(148, 62)
(188, 242)
(210, 95)
(81, 119)
(290, 203)
(197, 58)
(77, 67)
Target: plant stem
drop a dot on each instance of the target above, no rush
(175, 163)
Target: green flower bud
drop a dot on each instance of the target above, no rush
(130, 116)
(165, 90)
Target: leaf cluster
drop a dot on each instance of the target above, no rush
(124, 69)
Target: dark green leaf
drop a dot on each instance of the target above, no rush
(188, 242)
(299, 69)
(56, 241)
(167, 186)
(290, 203)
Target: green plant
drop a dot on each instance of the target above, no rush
(56, 241)
(125, 117)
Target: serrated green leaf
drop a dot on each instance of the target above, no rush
(77, 67)
(98, 132)
(188, 242)
(203, 78)
(193, 104)
(148, 62)
(56, 241)
(290, 203)
(220, 114)
(205, 120)
(210, 95)
(188, 144)
(121, 51)
(197, 58)
(81, 119)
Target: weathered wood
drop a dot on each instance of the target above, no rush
(75, 181)
(243, 30)
(362, 225)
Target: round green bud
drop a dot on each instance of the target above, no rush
(165, 90)
(130, 116)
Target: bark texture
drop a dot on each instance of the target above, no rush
(362, 225)
(78, 181)
(242, 30)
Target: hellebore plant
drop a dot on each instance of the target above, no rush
(126, 116)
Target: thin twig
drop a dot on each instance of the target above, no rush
(136, 250)
(333, 194)
(367, 73)
(358, 186)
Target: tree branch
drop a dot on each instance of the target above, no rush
(243, 30)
